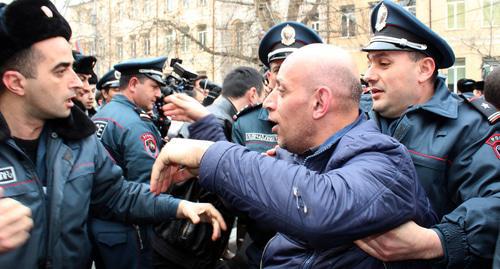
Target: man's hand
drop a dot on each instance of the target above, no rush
(406, 242)
(15, 223)
(203, 212)
(182, 107)
(178, 160)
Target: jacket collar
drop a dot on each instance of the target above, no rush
(122, 99)
(76, 126)
(442, 103)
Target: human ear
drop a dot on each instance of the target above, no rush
(14, 82)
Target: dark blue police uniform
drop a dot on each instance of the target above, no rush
(454, 146)
(134, 142)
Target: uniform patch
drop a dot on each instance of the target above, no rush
(268, 138)
(150, 146)
(494, 142)
(7, 175)
(101, 127)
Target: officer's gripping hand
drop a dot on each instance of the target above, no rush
(178, 161)
(15, 223)
(409, 241)
(203, 212)
(182, 107)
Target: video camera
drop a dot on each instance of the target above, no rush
(184, 81)
(213, 91)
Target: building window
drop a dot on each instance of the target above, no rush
(348, 27)
(146, 45)
(237, 35)
(456, 14)
(169, 41)
(315, 22)
(170, 5)
(119, 48)
(185, 3)
(202, 3)
(185, 39)
(119, 10)
(133, 47)
(202, 35)
(147, 6)
(410, 5)
(491, 12)
(456, 72)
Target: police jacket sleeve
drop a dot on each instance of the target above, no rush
(368, 194)
(207, 128)
(115, 198)
(468, 233)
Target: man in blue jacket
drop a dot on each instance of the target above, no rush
(50, 159)
(341, 179)
(453, 142)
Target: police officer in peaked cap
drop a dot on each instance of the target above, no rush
(453, 144)
(126, 130)
(251, 128)
(109, 85)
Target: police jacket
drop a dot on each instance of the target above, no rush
(253, 130)
(130, 136)
(357, 183)
(456, 154)
(81, 178)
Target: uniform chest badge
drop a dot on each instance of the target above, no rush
(7, 175)
(150, 145)
(494, 142)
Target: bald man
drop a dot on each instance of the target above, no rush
(339, 179)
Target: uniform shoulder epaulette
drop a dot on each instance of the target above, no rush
(486, 109)
(143, 114)
(246, 110)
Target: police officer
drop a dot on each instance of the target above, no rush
(50, 159)
(252, 128)
(126, 130)
(109, 85)
(454, 145)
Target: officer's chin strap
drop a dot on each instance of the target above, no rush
(399, 41)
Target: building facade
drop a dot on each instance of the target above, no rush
(214, 36)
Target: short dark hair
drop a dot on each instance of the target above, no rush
(124, 79)
(240, 80)
(492, 88)
(24, 61)
(417, 56)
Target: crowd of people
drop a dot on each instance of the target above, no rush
(303, 164)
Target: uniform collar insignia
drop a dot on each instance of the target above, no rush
(287, 35)
(381, 18)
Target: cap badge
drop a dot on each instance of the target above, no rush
(381, 18)
(117, 74)
(47, 11)
(287, 35)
